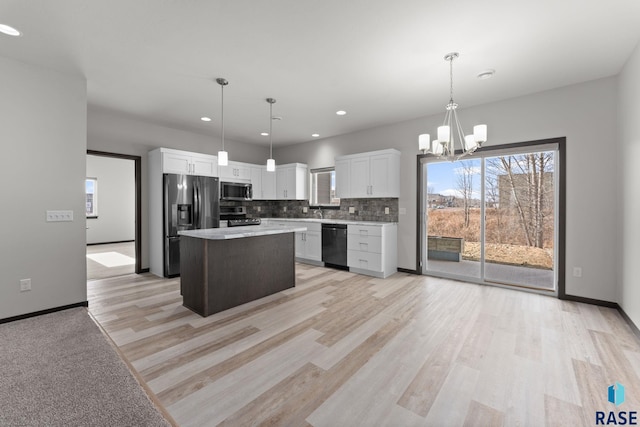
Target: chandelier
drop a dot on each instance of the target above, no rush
(444, 146)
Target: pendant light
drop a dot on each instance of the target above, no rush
(223, 156)
(271, 163)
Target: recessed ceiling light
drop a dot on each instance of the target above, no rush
(265, 134)
(486, 74)
(10, 31)
(205, 119)
(341, 112)
(315, 135)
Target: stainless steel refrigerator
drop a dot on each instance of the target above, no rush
(190, 203)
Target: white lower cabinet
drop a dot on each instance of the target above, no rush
(372, 249)
(308, 243)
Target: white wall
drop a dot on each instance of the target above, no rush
(628, 194)
(585, 114)
(114, 132)
(43, 138)
(115, 200)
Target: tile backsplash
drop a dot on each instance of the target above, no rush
(364, 209)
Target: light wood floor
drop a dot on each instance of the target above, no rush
(342, 349)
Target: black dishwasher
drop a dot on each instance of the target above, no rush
(334, 245)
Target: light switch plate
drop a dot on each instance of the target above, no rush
(305, 209)
(59, 216)
(386, 211)
(352, 209)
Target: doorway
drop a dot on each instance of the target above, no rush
(113, 207)
(495, 217)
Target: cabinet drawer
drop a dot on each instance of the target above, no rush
(364, 260)
(364, 230)
(371, 244)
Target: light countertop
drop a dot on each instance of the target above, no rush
(332, 221)
(239, 232)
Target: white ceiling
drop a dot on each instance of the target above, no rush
(380, 60)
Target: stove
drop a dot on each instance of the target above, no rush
(239, 222)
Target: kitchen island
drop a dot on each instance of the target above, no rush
(221, 268)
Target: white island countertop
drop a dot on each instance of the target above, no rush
(239, 232)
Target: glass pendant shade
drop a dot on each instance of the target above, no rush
(438, 147)
(470, 142)
(271, 165)
(223, 158)
(444, 133)
(424, 141)
(480, 133)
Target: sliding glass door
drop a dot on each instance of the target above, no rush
(491, 217)
(454, 217)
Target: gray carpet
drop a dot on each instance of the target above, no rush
(59, 370)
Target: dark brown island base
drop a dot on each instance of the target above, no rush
(222, 268)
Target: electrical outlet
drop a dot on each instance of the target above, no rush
(386, 211)
(305, 209)
(352, 209)
(25, 285)
(577, 271)
(259, 208)
(284, 209)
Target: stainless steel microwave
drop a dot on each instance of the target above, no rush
(235, 191)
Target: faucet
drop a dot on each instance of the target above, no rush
(319, 210)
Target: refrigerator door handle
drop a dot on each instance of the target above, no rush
(196, 205)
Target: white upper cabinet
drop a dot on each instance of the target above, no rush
(372, 174)
(256, 182)
(268, 184)
(291, 182)
(343, 178)
(235, 172)
(263, 183)
(187, 163)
